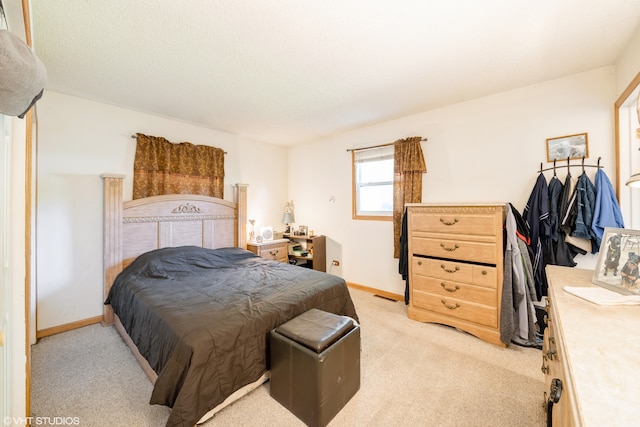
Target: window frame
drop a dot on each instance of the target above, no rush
(355, 186)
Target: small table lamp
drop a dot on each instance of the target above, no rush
(288, 218)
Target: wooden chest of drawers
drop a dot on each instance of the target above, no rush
(275, 250)
(456, 261)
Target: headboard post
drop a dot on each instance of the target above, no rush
(240, 199)
(112, 237)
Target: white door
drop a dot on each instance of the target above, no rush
(5, 296)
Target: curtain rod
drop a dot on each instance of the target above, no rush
(377, 146)
(136, 137)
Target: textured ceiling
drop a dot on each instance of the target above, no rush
(291, 71)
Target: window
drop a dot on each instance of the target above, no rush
(373, 183)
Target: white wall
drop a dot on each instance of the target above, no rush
(485, 150)
(627, 69)
(78, 140)
(488, 149)
(628, 65)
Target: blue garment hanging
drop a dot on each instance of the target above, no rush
(606, 212)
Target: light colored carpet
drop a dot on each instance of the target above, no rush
(413, 374)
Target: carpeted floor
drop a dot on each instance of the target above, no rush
(413, 374)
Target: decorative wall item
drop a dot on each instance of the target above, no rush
(568, 147)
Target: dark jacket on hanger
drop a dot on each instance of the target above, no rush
(565, 252)
(536, 215)
(585, 205)
(549, 249)
(403, 258)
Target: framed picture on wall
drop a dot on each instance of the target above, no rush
(618, 261)
(568, 147)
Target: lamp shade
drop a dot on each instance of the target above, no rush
(634, 180)
(288, 218)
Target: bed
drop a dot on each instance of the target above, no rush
(193, 304)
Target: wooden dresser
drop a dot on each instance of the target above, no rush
(456, 258)
(594, 352)
(276, 250)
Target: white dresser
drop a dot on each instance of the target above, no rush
(456, 261)
(594, 351)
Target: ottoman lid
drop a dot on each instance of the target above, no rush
(316, 329)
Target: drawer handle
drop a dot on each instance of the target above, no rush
(445, 222)
(484, 272)
(273, 253)
(449, 306)
(419, 262)
(544, 368)
(444, 286)
(444, 267)
(449, 249)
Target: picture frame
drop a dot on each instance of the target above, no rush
(618, 266)
(568, 147)
(303, 230)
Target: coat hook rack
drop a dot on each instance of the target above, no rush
(568, 165)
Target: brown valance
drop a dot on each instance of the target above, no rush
(161, 167)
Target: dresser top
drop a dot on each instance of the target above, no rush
(453, 204)
(267, 242)
(602, 348)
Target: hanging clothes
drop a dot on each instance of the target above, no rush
(555, 191)
(578, 212)
(403, 259)
(585, 205)
(536, 216)
(518, 316)
(566, 252)
(606, 212)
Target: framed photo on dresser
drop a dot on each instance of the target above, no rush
(618, 266)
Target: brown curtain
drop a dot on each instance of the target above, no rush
(161, 167)
(407, 184)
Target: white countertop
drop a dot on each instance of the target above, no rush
(602, 348)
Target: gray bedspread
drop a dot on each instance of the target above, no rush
(201, 318)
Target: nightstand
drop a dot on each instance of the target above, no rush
(275, 250)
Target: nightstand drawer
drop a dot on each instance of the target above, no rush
(275, 250)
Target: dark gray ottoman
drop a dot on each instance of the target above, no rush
(315, 365)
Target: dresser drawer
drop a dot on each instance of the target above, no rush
(480, 275)
(462, 291)
(460, 309)
(484, 252)
(455, 223)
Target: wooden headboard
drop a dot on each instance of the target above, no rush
(138, 226)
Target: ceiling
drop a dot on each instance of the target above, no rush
(293, 71)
